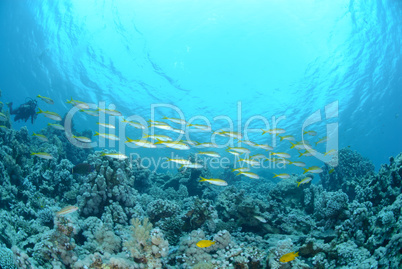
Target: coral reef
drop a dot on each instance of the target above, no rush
(131, 217)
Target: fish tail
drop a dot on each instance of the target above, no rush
(293, 145)
(263, 132)
(202, 179)
(305, 170)
(300, 154)
(128, 139)
(297, 254)
(281, 138)
(275, 175)
(33, 153)
(316, 143)
(96, 133)
(40, 111)
(298, 184)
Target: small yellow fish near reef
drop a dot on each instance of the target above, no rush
(67, 210)
(289, 257)
(42, 155)
(218, 182)
(205, 243)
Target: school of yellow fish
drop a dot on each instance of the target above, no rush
(303, 147)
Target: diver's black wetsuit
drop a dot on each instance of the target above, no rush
(24, 111)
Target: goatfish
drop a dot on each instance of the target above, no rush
(258, 156)
(179, 161)
(300, 145)
(78, 104)
(249, 174)
(234, 152)
(193, 165)
(42, 155)
(46, 99)
(205, 243)
(173, 145)
(289, 257)
(282, 161)
(179, 131)
(304, 181)
(273, 131)
(159, 137)
(261, 219)
(249, 161)
(106, 125)
(213, 181)
(307, 153)
(200, 126)
(313, 169)
(56, 126)
(241, 169)
(108, 136)
(312, 133)
(3, 117)
(287, 137)
(141, 143)
(332, 151)
(163, 126)
(175, 120)
(298, 164)
(210, 154)
(41, 137)
(206, 145)
(90, 112)
(282, 176)
(190, 142)
(118, 156)
(135, 124)
(264, 146)
(67, 210)
(248, 142)
(111, 112)
(155, 122)
(236, 135)
(82, 139)
(50, 115)
(281, 154)
(239, 149)
(322, 140)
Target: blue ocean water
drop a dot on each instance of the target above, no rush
(238, 59)
(257, 81)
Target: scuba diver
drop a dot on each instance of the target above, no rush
(24, 111)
